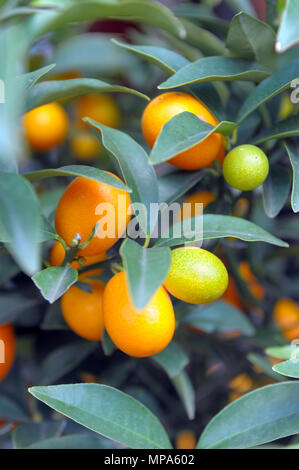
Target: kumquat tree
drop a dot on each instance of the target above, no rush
(149, 257)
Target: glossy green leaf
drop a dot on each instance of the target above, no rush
(73, 441)
(77, 170)
(146, 269)
(294, 159)
(218, 316)
(166, 59)
(261, 416)
(251, 39)
(63, 360)
(171, 62)
(276, 189)
(288, 35)
(216, 68)
(283, 129)
(185, 390)
(31, 78)
(268, 88)
(54, 282)
(53, 90)
(172, 359)
(289, 368)
(282, 352)
(144, 11)
(30, 433)
(125, 420)
(182, 132)
(11, 410)
(216, 226)
(19, 221)
(136, 171)
(175, 185)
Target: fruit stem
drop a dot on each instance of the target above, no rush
(147, 241)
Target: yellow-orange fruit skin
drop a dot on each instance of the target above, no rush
(83, 311)
(78, 212)
(162, 108)
(46, 126)
(137, 333)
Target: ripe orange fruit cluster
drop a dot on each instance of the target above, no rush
(286, 317)
(46, 126)
(7, 349)
(245, 167)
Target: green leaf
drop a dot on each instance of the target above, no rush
(268, 88)
(12, 304)
(53, 90)
(288, 35)
(186, 392)
(214, 69)
(218, 316)
(175, 185)
(8, 268)
(263, 363)
(251, 39)
(133, 163)
(54, 282)
(171, 62)
(203, 15)
(19, 221)
(294, 159)
(89, 47)
(53, 319)
(144, 11)
(182, 132)
(172, 359)
(166, 59)
(10, 410)
(243, 5)
(216, 226)
(78, 170)
(106, 411)
(208, 43)
(276, 189)
(261, 416)
(31, 78)
(30, 433)
(282, 352)
(63, 360)
(289, 368)
(107, 344)
(73, 441)
(18, 13)
(146, 269)
(287, 128)
(12, 55)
